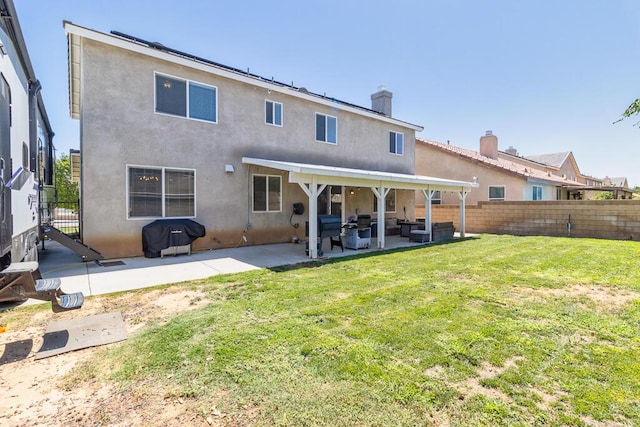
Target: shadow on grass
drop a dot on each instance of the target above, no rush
(336, 260)
(10, 305)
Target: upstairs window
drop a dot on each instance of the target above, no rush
(185, 98)
(496, 192)
(396, 143)
(326, 129)
(273, 113)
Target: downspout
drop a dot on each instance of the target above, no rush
(249, 198)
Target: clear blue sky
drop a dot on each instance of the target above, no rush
(545, 76)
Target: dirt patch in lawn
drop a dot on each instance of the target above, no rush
(600, 298)
(473, 386)
(32, 394)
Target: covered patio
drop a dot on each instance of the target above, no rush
(313, 179)
(588, 192)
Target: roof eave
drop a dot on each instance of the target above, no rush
(304, 173)
(556, 182)
(74, 55)
(574, 163)
(82, 32)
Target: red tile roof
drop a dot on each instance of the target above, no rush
(507, 166)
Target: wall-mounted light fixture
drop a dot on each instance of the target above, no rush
(352, 192)
(229, 169)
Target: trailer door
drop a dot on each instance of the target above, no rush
(5, 167)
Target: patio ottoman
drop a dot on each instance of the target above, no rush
(420, 236)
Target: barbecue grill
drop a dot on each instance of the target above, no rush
(328, 226)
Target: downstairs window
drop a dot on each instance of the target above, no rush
(160, 192)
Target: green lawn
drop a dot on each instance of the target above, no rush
(494, 330)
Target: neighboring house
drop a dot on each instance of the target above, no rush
(592, 181)
(498, 179)
(559, 164)
(564, 165)
(616, 182)
(26, 148)
(165, 134)
(618, 188)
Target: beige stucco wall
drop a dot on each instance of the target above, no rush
(567, 170)
(119, 128)
(434, 162)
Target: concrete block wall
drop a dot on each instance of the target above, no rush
(605, 219)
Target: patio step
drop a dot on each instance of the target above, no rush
(22, 280)
(66, 302)
(47, 285)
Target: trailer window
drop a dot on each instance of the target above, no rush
(25, 156)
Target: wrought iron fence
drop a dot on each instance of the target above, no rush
(62, 215)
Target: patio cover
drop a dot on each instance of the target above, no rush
(314, 178)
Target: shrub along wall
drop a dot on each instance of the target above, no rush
(606, 219)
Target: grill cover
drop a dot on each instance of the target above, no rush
(164, 233)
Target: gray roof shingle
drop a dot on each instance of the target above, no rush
(553, 159)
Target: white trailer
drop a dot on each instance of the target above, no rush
(26, 167)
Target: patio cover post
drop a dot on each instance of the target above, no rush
(381, 195)
(463, 195)
(313, 190)
(428, 195)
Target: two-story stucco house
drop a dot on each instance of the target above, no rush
(165, 134)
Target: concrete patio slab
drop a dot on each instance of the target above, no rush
(127, 274)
